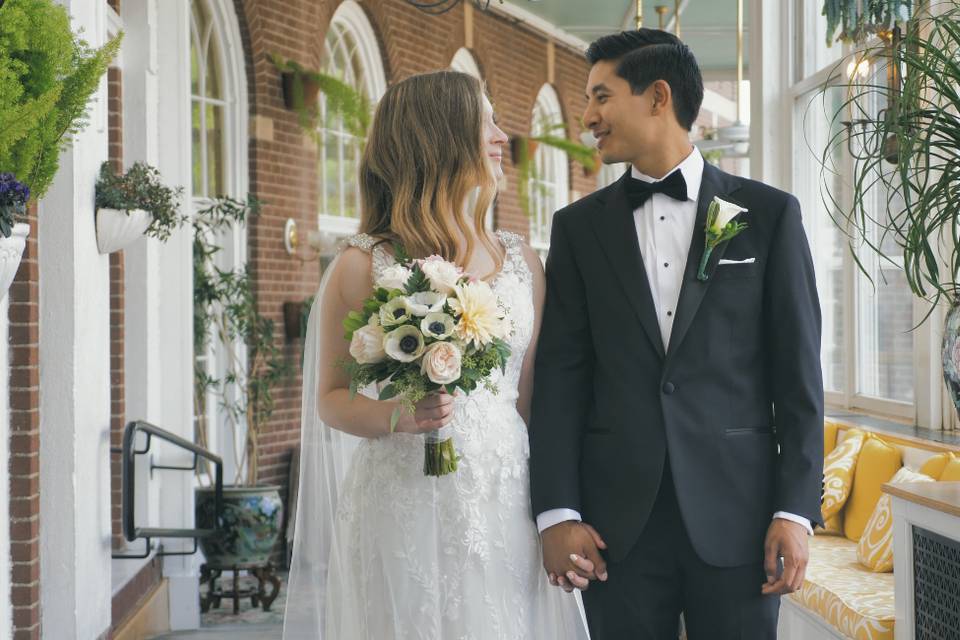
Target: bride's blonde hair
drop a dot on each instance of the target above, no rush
(424, 155)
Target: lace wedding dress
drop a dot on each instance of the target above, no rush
(449, 558)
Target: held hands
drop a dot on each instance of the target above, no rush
(431, 413)
(571, 555)
(787, 540)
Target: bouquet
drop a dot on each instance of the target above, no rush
(427, 327)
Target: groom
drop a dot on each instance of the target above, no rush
(677, 416)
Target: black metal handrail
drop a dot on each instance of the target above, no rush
(129, 452)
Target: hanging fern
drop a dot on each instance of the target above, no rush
(859, 19)
(343, 101)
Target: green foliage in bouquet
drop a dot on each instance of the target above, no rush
(47, 75)
(396, 343)
(140, 188)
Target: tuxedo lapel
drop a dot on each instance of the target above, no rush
(714, 183)
(617, 232)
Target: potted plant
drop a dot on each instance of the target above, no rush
(133, 204)
(47, 75)
(225, 311)
(14, 196)
(523, 150)
(301, 87)
(906, 149)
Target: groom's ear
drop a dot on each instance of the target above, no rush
(662, 97)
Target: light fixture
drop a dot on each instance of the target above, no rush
(438, 7)
(639, 14)
(661, 10)
(858, 69)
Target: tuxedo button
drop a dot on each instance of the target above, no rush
(668, 388)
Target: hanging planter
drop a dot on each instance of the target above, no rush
(134, 204)
(119, 228)
(524, 148)
(11, 251)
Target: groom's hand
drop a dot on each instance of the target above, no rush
(788, 540)
(571, 555)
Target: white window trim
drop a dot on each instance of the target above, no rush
(548, 103)
(351, 17)
(931, 407)
(233, 255)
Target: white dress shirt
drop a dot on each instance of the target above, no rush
(664, 229)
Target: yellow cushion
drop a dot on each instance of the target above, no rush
(934, 465)
(829, 437)
(877, 463)
(838, 469)
(856, 602)
(833, 526)
(875, 549)
(951, 472)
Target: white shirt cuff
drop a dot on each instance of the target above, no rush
(783, 515)
(555, 516)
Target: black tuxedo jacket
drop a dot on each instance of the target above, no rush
(735, 399)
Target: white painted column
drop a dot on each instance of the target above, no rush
(142, 346)
(6, 606)
(75, 588)
(175, 309)
(771, 136)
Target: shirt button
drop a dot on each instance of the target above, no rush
(669, 313)
(669, 388)
(663, 217)
(666, 264)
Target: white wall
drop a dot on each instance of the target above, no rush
(6, 607)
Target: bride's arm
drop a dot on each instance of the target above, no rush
(349, 285)
(539, 293)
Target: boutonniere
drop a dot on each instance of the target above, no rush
(720, 228)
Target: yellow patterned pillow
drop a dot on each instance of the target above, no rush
(829, 437)
(833, 526)
(838, 469)
(951, 472)
(935, 465)
(875, 549)
(877, 463)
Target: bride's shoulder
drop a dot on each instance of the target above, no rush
(516, 246)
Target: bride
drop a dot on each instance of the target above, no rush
(381, 551)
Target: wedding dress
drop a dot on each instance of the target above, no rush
(383, 552)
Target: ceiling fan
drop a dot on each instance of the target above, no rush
(733, 140)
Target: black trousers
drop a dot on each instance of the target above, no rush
(663, 577)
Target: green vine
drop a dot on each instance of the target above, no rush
(860, 19)
(225, 311)
(342, 100)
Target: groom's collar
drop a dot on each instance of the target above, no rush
(691, 167)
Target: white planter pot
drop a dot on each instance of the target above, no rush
(11, 250)
(117, 228)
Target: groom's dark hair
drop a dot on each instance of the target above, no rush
(647, 55)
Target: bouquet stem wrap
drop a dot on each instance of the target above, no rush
(439, 454)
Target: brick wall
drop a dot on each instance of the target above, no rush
(117, 387)
(283, 162)
(24, 298)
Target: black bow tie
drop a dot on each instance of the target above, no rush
(673, 185)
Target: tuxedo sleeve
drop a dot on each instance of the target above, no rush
(792, 329)
(563, 375)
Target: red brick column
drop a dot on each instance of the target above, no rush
(24, 299)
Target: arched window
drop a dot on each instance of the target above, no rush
(350, 53)
(550, 185)
(219, 125)
(218, 100)
(464, 62)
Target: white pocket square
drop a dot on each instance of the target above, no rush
(745, 261)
